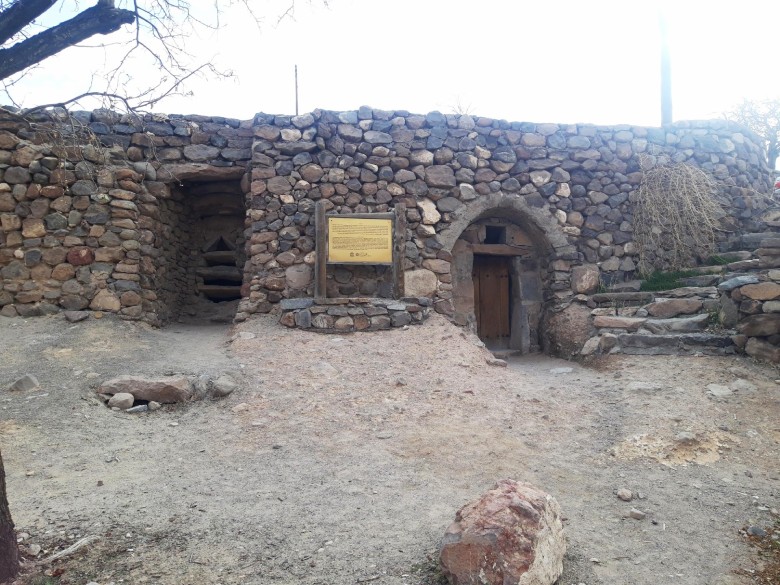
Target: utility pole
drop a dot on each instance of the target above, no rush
(296, 89)
(666, 68)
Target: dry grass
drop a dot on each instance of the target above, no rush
(676, 216)
(768, 553)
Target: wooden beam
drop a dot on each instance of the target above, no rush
(321, 249)
(501, 250)
(218, 257)
(399, 250)
(229, 273)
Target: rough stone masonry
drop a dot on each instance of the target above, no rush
(111, 221)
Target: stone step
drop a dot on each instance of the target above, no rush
(669, 344)
(666, 308)
(690, 324)
(748, 264)
(705, 280)
(628, 286)
(752, 241)
(705, 269)
(689, 291)
(638, 298)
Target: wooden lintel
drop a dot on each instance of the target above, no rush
(501, 250)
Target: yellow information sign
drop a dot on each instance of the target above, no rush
(360, 241)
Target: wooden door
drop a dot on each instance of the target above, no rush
(491, 299)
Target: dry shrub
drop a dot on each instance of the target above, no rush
(676, 215)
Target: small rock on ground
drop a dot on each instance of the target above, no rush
(742, 386)
(625, 494)
(719, 390)
(637, 386)
(223, 386)
(24, 384)
(561, 370)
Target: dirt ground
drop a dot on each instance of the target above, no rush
(342, 459)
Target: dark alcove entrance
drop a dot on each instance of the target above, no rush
(204, 249)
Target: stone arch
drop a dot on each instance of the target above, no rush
(526, 270)
(513, 206)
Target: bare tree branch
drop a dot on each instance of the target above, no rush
(20, 14)
(763, 118)
(102, 18)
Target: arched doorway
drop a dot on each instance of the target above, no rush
(501, 270)
(498, 284)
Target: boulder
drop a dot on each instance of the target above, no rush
(163, 390)
(105, 300)
(121, 400)
(430, 215)
(585, 279)
(440, 176)
(762, 291)
(511, 534)
(298, 276)
(223, 386)
(565, 332)
(75, 316)
(420, 283)
(761, 325)
(80, 256)
(762, 350)
(591, 346)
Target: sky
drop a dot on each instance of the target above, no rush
(587, 61)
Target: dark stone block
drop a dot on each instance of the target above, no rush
(292, 304)
(400, 319)
(303, 319)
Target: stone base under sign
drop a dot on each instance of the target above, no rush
(341, 315)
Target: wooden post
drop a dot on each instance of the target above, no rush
(399, 250)
(321, 248)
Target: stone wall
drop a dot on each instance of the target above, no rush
(90, 216)
(572, 185)
(102, 225)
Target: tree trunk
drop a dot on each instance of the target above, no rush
(9, 552)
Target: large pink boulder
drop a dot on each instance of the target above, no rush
(511, 535)
(164, 390)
